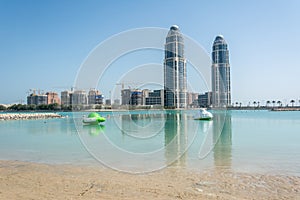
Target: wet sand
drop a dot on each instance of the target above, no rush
(24, 180)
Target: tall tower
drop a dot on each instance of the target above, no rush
(175, 86)
(221, 89)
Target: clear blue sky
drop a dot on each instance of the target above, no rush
(43, 43)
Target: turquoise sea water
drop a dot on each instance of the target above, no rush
(247, 141)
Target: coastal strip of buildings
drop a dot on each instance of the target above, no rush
(173, 95)
(94, 98)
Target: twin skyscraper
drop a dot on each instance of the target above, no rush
(175, 74)
(175, 82)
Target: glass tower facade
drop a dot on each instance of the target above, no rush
(221, 89)
(175, 85)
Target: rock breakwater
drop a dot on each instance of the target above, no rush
(25, 116)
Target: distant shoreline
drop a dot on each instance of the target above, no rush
(295, 108)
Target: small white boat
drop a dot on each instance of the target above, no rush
(203, 115)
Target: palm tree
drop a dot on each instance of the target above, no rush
(240, 104)
(258, 104)
(268, 103)
(273, 102)
(292, 102)
(279, 103)
(254, 103)
(236, 103)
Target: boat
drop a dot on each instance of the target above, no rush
(203, 115)
(93, 119)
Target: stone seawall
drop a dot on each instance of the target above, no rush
(24, 116)
(286, 109)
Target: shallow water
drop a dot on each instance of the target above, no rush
(247, 141)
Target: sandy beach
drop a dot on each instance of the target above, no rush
(24, 180)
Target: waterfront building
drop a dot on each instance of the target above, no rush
(205, 100)
(221, 89)
(79, 97)
(37, 99)
(126, 96)
(117, 102)
(66, 97)
(155, 98)
(95, 97)
(108, 102)
(99, 99)
(175, 83)
(192, 99)
(52, 97)
(145, 94)
(136, 98)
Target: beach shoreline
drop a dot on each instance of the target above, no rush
(26, 180)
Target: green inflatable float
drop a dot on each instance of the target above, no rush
(93, 119)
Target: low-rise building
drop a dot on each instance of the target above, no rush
(37, 99)
(99, 99)
(117, 102)
(192, 99)
(136, 98)
(145, 94)
(108, 102)
(126, 96)
(155, 98)
(205, 100)
(79, 97)
(95, 97)
(52, 97)
(66, 97)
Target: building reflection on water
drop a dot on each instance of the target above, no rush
(141, 125)
(159, 139)
(179, 130)
(133, 123)
(176, 138)
(222, 151)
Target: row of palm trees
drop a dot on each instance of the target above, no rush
(268, 103)
(279, 103)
